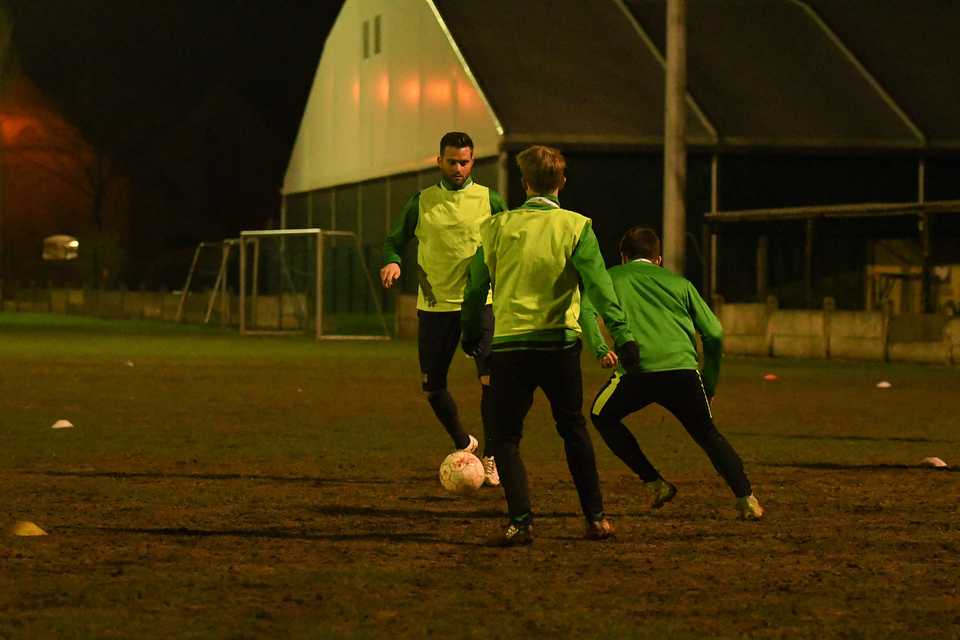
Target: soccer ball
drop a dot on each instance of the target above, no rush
(461, 473)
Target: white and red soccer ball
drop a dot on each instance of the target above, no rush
(461, 473)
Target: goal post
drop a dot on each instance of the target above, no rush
(207, 281)
(308, 281)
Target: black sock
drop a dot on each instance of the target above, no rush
(446, 411)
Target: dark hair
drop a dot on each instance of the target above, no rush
(542, 168)
(455, 139)
(640, 242)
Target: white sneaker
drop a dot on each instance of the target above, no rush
(491, 477)
(473, 446)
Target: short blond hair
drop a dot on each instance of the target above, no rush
(542, 168)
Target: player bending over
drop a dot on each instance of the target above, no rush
(535, 258)
(445, 218)
(663, 311)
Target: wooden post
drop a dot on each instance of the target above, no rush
(674, 139)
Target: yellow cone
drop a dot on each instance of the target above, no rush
(24, 528)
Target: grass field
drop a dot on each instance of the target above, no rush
(219, 487)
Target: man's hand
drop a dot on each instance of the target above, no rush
(389, 275)
(471, 347)
(608, 360)
(629, 355)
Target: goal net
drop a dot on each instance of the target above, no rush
(307, 281)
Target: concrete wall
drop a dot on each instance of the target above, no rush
(749, 329)
(745, 327)
(857, 335)
(107, 304)
(797, 334)
(756, 329)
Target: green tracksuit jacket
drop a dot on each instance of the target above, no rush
(664, 312)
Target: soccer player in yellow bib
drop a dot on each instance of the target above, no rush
(665, 313)
(445, 219)
(535, 258)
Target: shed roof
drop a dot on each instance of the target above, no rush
(761, 73)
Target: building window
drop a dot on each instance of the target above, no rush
(376, 35)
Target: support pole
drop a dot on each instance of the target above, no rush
(763, 250)
(714, 259)
(710, 238)
(186, 286)
(243, 286)
(808, 264)
(707, 261)
(255, 284)
(714, 183)
(217, 286)
(674, 139)
(927, 303)
(318, 326)
(225, 289)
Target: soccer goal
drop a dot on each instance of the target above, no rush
(208, 283)
(307, 281)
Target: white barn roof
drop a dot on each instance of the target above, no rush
(390, 83)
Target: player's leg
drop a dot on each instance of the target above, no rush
(561, 379)
(438, 336)
(511, 389)
(618, 398)
(688, 401)
(491, 476)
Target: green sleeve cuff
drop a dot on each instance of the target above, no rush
(711, 334)
(591, 329)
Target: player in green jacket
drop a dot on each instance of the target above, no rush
(665, 313)
(535, 258)
(445, 219)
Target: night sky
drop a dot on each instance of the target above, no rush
(195, 103)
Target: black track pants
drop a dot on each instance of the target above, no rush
(514, 376)
(681, 393)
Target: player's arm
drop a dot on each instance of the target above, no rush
(496, 203)
(474, 300)
(591, 330)
(397, 240)
(711, 334)
(598, 287)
